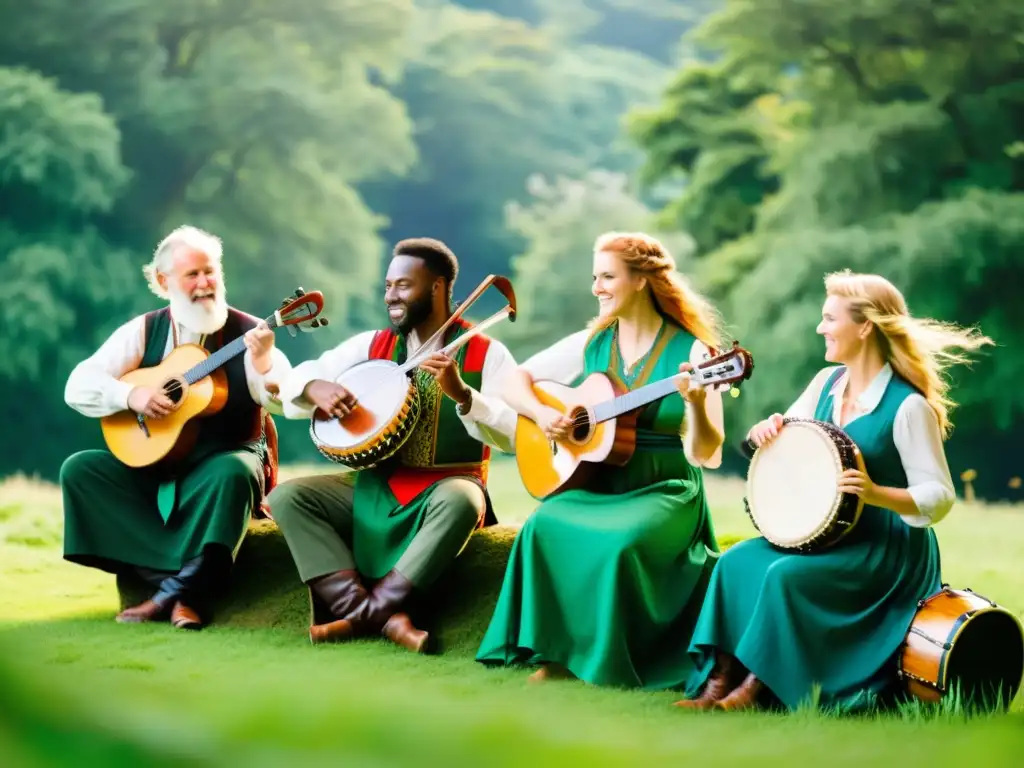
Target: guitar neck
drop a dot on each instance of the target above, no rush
(656, 390)
(638, 398)
(220, 357)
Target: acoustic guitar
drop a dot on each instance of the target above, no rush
(195, 382)
(604, 422)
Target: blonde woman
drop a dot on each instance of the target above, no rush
(778, 624)
(604, 583)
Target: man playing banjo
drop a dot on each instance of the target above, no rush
(179, 531)
(402, 522)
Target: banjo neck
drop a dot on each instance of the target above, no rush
(509, 310)
(476, 330)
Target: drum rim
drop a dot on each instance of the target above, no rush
(398, 416)
(942, 684)
(358, 458)
(818, 428)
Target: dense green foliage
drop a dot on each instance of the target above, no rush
(310, 136)
(772, 142)
(880, 136)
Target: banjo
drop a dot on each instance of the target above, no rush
(387, 399)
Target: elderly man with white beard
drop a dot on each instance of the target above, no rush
(179, 531)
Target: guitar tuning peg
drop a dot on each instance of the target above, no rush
(734, 392)
(284, 302)
(299, 292)
(323, 321)
(315, 324)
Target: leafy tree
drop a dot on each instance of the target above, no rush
(891, 149)
(495, 100)
(553, 275)
(247, 118)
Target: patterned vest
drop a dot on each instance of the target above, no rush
(439, 445)
(658, 423)
(239, 424)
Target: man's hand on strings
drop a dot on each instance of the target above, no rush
(446, 373)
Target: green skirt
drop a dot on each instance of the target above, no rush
(831, 621)
(610, 584)
(112, 517)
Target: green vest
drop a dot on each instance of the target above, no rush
(239, 424)
(872, 432)
(658, 423)
(440, 439)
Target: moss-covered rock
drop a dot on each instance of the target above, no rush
(266, 591)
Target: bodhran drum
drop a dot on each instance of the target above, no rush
(792, 495)
(963, 646)
(387, 409)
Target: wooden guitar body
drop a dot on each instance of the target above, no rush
(173, 436)
(548, 467)
(604, 422)
(195, 382)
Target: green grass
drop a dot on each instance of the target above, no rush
(250, 690)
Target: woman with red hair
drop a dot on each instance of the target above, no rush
(604, 583)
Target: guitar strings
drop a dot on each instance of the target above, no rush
(583, 418)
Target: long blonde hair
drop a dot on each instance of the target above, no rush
(919, 349)
(671, 292)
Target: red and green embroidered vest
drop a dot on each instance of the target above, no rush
(439, 440)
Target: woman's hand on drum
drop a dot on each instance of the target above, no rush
(858, 483)
(554, 423)
(765, 431)
(692, 394)
(333, 399)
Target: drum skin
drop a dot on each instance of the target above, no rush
(387, 408)
(792, 494)
(961, 639)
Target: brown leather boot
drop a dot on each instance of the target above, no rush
(183, 617)
(744, 697)
(372, 615)
(342, 592)
(400, 630)
(721, 681)
(150, 610)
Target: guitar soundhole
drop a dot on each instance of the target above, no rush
(581, 428)
(175, 390)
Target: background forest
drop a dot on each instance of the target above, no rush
(767, 142)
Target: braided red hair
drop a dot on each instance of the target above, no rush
(672, 293)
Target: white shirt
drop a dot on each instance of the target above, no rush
(93, 388)
(915, 432)
(564, 361)
(489, 420)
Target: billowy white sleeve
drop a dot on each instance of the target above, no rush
(562, 361)
(280, 367)
(805, 405)
(93, 388)
(919, 442)
(329, 366)
(490, 419)
(715, 410)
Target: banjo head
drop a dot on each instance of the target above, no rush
(792, 485)
(382, 398)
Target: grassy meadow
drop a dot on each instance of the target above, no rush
(77, 686)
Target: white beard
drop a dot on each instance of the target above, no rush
(202, 318)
